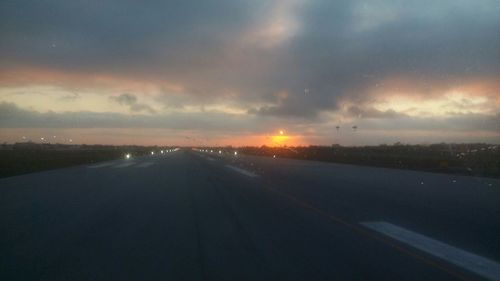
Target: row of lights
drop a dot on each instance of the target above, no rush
(164, 151)
(42, 139)
(212, 151)
(128, 155)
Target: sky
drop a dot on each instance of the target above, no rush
(233, 72)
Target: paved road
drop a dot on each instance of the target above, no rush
(189, 215)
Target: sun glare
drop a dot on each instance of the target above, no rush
(280, 139)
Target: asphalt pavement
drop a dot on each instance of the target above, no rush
(191, 215)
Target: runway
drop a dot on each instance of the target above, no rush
(190, 215)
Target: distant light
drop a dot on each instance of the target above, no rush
(274, 156)
(281, 132)
(54, 136)
(42, 138)
(152, 153)
(162, 152)
(70, 140)
(24, 137)
(211, 151)
(127, 156)
(235, 153)
(220, 152)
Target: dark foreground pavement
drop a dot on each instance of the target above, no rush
(201, 216)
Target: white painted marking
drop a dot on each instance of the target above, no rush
(123, 165)
(242, 171)
(102, 165)
(486, 268)
(145, 164)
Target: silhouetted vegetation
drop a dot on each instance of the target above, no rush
(466, 159)
(22, 158)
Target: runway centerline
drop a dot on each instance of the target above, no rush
(242, 171)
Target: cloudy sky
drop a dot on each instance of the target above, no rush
(237, 72)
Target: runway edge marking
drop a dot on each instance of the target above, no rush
(482, 266)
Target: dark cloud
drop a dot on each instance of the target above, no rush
(359, 112)
(339, 50)
(469, 122)
(132, 103)
(108, 34)
(428, 41)
(11, 116)
(125, 99)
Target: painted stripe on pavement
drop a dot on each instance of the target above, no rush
(123, 165)
(102, 165)
(242, 171)
(482, 266)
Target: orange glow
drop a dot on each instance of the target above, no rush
(281, 132)
(420, 89)
(425, 97)
(83, 80)
(280, 139)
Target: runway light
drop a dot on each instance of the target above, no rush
(162, 152)
(127, 156)
(235, 153)
(274, 156)
(211, 151)
(152, 153)
(220, 152)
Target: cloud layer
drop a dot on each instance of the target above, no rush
(308, 65)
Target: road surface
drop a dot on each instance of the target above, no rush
(188, 215)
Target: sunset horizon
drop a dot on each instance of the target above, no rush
(235, 73)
